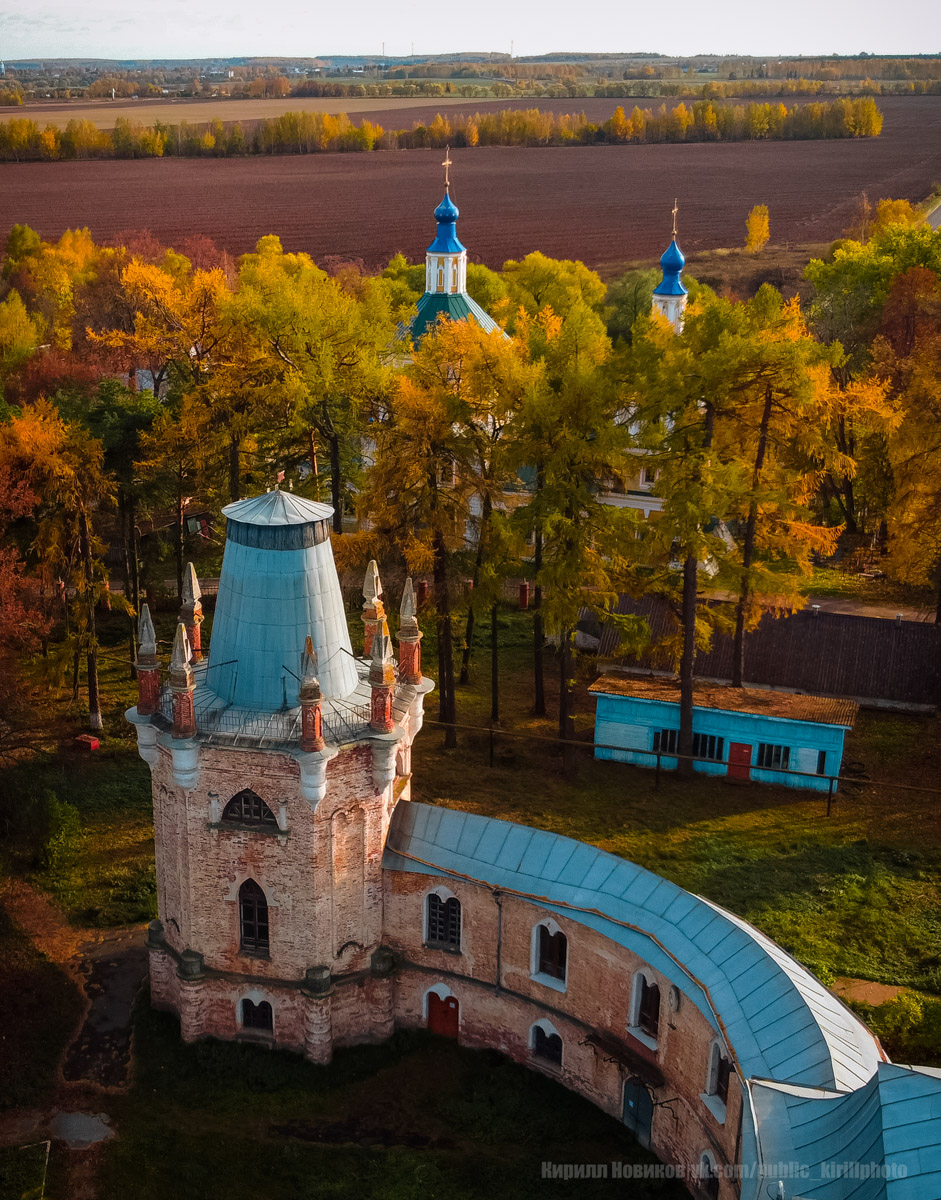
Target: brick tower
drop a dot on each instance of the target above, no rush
(276, 763)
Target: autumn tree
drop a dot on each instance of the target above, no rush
(757, 229)
(418, 493)
(327, 341)
(567, 439)
(63, 466)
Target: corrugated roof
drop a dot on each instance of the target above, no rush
(821, 710)
(780, 1021)
(277, 508)
(894, 1119)
(828, 654)
(457, 306)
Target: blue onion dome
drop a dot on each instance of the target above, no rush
(447, 211)
(672, 263)
(672, 260)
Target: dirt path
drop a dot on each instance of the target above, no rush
(109, 966)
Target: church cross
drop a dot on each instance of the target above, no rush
(447, 164)
(675, 211)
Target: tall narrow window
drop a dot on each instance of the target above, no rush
(720, 1069)
(648, 1008)
(257, 1016)
(253, 916)
(444, 922)
(547, 1045)
(552, 953)
(248, 808)
(708, 1177)
(821, 762)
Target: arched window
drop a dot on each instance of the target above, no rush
(645, 1007)
(257, 1016)
(720, 1070)
(546, 1043)
(708, 1176)
(444, 922)
(552, 953)
(253, 918)
(440, 278)
(248, 808)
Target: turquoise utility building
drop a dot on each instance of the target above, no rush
(743, 733)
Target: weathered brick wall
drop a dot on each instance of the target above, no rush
(596, 999)
(321, 877)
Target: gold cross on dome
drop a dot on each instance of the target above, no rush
(447, 164)
(675, 211)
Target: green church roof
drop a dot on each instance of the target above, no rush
(457, 306)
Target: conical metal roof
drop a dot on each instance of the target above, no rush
(278, 586)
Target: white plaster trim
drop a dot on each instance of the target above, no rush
(257, 997)
(549, 981)
(314, 773)
(441, 990)
(444, 894)
(647, 977)
(547, 1028)
(715, 1106)
(644, 1038)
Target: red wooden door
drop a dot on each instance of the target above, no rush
(443, 1015)
(739, 760)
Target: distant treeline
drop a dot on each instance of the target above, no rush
(21, 139)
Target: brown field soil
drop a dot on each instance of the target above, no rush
(104, 113)
(602, 204)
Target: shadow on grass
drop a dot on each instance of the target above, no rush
(417, 1116)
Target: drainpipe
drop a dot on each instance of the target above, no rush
(499, 901)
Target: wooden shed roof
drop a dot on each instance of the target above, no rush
(758, 702)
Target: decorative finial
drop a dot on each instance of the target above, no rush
(447, 164)
(380, 648)
(180, 658)
(675, 211)
(407, 608)
(146, 637)
(372, 588)
(309, 673)
(191, 592)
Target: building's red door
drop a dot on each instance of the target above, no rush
(739, 760)
(443, 1015)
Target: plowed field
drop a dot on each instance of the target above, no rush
(602, 204)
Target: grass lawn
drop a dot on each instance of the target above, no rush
(844, 585)
(856, 894)
(415, 1117)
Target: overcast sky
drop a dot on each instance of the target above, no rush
(212, 28)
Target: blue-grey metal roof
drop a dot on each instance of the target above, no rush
(277, 588)
(277, 508)
(893, 1121)
(779, 1021)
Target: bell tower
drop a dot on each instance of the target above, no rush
(277, 760)
(670, 294)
